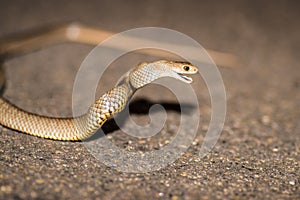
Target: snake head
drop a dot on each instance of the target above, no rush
(146, 73)
(181, 69)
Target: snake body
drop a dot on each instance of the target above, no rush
(109, 104)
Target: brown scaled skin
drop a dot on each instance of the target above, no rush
(109, 104)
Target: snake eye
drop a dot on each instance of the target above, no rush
(186, 68)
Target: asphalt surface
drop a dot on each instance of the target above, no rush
(257, 155)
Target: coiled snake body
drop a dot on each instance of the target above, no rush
(109, 104)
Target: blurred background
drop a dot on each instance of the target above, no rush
(257, 155)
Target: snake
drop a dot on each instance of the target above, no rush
(109, 104)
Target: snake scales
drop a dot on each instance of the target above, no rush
(109, 104)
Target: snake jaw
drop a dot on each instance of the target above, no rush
(185, 79)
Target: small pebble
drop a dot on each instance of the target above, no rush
(266, 120)
(292, 182)
(6, 189)
(142, 142)
(175, 197)
(183, 174)
(39, 181)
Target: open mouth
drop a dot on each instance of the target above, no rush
(186, 78)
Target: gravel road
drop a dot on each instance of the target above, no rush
(257, 154)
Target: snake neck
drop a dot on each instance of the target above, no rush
(109, 104)
(146, 73)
